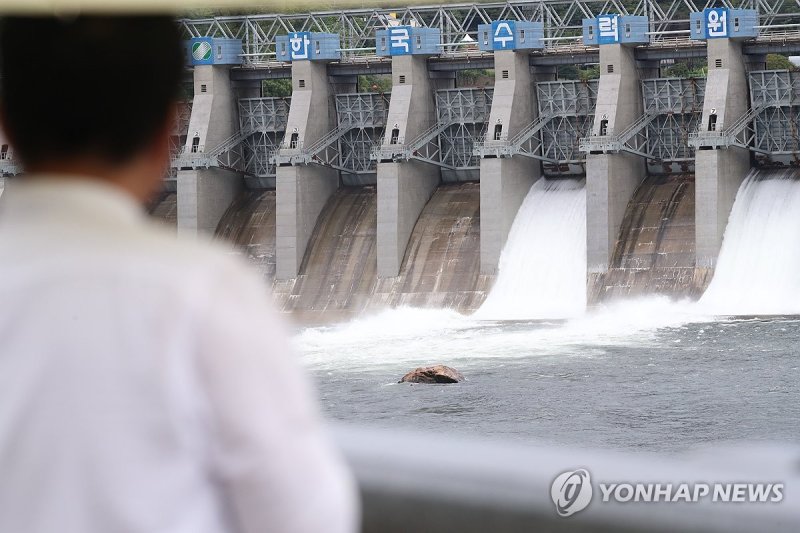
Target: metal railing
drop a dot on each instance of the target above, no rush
(727, 137)
(404, 151)
(618, 142)
(562, 20)
(428, 482)
(509, 147)
(295, 153)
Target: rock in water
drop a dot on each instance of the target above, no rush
(433, 374)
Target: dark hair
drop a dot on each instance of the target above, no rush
(88, 85)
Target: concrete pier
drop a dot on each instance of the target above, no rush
(505, 181)
(719, 172)
(205, 194)
(303, 190)
(404, 188)
(611, 179)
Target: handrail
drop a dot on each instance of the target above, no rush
(617, 142)
(530, 130)
(426, 136)
(727, 136)
(468, 485)
(510, 147)
(636, 127)
(326, 140)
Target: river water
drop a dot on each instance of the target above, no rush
(650, 374)
(656, 378)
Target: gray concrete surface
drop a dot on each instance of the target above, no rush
(719, 173)
(205, 194)
(611, 179)
(404, 188)
(505, 181)
(302, 191)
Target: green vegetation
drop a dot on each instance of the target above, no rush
(575, 72)
(779, 62)
(478, 77)
(278, 88)
(686, 69)
(375, 83)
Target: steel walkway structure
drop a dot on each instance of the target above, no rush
(458, 23)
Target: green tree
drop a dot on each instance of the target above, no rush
(375, 83)
(685, 69)
(575, 72)
(278, 88)
(778, 62)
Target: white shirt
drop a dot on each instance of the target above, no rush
(146, 385)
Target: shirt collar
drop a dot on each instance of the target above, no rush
(42, 197)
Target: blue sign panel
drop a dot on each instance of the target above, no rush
(201, 51)
(399, 40)
(503, 35)
(299, 45)
(716, 22)
(608, 29)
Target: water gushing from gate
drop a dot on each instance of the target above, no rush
(542, 270)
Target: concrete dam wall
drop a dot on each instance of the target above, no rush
(337, 274)
(655, 249)
(249, 224)
(338, 278)
(441, 267)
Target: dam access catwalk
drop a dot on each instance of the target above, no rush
(353, 199)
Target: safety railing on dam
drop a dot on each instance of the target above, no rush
(361, 120)
(671, 114)
(458, 25)
(770, 128)
(436, 484)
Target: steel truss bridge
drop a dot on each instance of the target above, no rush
(458, 23)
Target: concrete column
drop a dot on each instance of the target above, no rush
(205, 194)
(303, 190)
(404, 188)
(505, 181)
(719, 173)
(611, 179)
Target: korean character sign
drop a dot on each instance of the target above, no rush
(399, 40)
(299, 45)
(503, 35)
(608, 29)
(716, 22)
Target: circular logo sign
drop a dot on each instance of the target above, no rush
(201, 51)
(571, 492)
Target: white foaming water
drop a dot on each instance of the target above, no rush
(542, 270)
(410, 337)
(758, 271)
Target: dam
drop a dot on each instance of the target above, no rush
(351, 200)
(387, 173)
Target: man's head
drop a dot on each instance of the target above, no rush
(91, 94)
